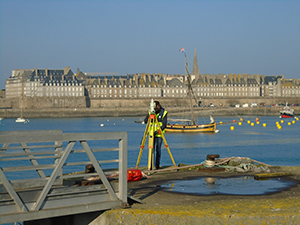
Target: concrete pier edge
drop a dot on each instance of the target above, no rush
(279, 208)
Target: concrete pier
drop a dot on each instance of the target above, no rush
(161, 207)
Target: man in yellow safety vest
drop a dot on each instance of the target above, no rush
(161, 115)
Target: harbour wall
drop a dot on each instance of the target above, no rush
(40, 107)
(86, 102)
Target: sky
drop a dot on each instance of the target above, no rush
(140, 36)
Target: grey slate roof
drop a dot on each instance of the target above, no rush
(175, 82)
(271, 79)
(251, 81)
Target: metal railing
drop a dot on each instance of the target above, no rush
(41, 173)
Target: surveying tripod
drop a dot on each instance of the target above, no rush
(152, 122)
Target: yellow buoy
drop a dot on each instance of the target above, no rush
(248, 121)
(279, 127)
(293, 121)
(240, 123)
(241, 119)
(232, 127)
(252, 124)
(297, 118)
(221, 122)
(281, 121)
(289, 123)
(264, 124)
(257, 122)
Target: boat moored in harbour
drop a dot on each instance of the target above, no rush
(20, 120)
(190, 125)
(287, 112)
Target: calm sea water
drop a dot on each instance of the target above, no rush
(265, 144)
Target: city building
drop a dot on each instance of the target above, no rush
(44, 83)
(64, 83)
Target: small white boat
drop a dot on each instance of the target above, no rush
(20, 120)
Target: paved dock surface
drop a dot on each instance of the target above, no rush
(161, 207)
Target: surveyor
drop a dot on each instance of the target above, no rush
(161, 115)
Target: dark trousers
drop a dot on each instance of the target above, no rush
(157, 147)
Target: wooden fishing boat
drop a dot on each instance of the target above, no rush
(189, 125)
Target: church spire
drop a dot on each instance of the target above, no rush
(195, 65)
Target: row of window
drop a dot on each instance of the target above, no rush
(290, 92)
(63, 84)
(228, 89)
(149, 86)
(204, 91)
(63, 89)
(290, 87)
(217, 94)
(74, 94)
(50, 84)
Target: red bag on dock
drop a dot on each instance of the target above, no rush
(134, 175)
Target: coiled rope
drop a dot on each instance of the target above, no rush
(221, 161)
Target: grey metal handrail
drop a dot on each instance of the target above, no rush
(45, 154)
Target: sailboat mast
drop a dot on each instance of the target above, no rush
(189, 89)
(22, 96)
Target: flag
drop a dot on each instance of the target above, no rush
(181, 50)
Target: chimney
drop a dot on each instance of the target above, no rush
(66, 70)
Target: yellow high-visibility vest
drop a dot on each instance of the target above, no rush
(154, 126)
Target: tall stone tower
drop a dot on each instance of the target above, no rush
(195, 65)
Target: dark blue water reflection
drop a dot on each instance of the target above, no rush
(266, 144)
(243, 185)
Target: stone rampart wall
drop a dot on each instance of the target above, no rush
(183, 102)
(43, 102)
(84, 102)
